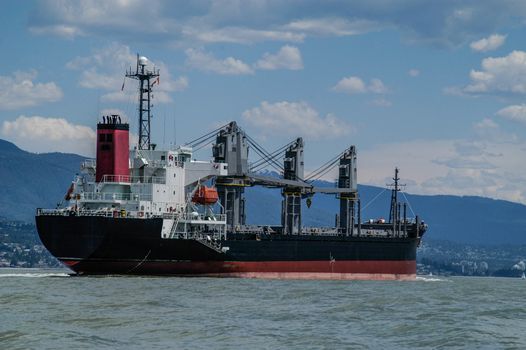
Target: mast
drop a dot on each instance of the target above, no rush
(145, 88)
(394, 197)
(394, 213)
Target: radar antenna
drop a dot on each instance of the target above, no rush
(145, 88)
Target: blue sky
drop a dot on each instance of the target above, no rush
(434, 87)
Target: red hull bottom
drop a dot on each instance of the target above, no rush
(319, 270)
(319, 276)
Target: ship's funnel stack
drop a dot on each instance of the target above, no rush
(291, 206)
(113, 147)
(347, 178)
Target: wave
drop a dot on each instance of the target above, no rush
(38, 275)
(431, 279)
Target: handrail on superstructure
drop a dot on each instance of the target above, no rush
(112, 196)
(133, 179)
(89, 163)
(217, 219)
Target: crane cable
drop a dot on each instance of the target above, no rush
(372, 200)
(322, 170)
(262, 152)
(203, 138)
(274, 155)
(409, 204)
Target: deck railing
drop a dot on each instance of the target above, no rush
(105, 196)
(133, 179)
(67, 212)
(217, 218)
(88, 163)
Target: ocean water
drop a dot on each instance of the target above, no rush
(48, 309)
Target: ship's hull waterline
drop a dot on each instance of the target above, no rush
(101, 245)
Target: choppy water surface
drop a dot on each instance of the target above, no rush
(47, 309)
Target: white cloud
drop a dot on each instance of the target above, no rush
(288, 57)
(485, 124)
(205, 61)
(416, 164)
(91, 78)
(160, 94)
(282, 117)
(376, 86)
(179, 84)
(499, 75)
(453, 91)
(125, 96)
(61, 30)
(96, 17)
(516, 113)
(490, 43)
(241, 35)
(463, 163)
(350, 85)
(20, 90)
(446, 23)
(382, 102)
(205, 22)
(438, 167)
(485, 164)
(355, 85)
(108, 56)
(40, 134)
(487, 129)
(413, 72)
(332, 26)
(105, 69)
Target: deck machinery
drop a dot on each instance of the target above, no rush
(232, 147)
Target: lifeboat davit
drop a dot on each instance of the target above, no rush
(205, 195)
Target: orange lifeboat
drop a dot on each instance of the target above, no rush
(205, 195)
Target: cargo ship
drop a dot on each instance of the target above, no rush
(148, 211)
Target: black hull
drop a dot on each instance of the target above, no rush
(102, 245)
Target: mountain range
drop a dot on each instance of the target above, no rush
(462, 219)
(32, 180)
